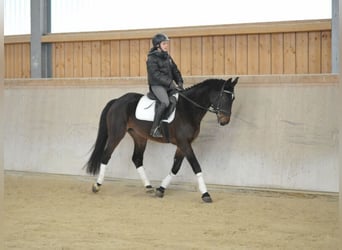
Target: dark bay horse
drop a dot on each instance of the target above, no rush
(118, 117)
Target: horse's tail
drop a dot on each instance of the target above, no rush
(94, 162)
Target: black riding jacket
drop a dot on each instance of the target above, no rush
(162, 70)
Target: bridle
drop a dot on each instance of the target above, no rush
(212, 109)
(218, 107)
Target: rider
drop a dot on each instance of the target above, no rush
(162, 72)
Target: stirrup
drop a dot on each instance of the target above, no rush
(156, 133)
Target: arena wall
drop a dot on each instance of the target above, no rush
(288, 47)
(283, 133)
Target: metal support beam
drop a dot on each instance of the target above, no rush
(40, 25)
(339, 103)
(2, 72)
(335, 62)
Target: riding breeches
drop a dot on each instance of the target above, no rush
(162, 95)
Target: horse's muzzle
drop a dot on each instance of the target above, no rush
(223, 119)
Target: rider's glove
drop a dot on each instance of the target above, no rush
(179, 87)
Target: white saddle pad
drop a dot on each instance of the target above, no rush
(146, 107)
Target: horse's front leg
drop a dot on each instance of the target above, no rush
(177, 162)
(190, 155)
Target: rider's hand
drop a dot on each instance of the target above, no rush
(179, 87)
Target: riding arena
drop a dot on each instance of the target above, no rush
(258, 133)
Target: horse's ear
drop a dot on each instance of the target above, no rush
(229, 80)
(235, 81)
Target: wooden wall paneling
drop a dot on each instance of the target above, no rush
(196, 56)
(27, 60)
(18, 60)
(276, 48)
(230, 55)
(290, 53)
(105, 58)
(78, 59)
(241, 55)
(69, 59)
(10, 62)
(53, 59)
(277, 53)
(314, 52)
(326, 52)
(6, 61)
(95, 58)
(86, 59)
(207, 55)
(264, 54)
(134, 54)
(253, 54)
(184, 63)
(302, 53)
(175, 50)
(144, 49)
(115, 58)
(59, 60)
(124, 58)
(218, 55)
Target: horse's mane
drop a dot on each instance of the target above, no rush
(211, 81)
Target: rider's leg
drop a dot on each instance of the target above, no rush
(164, 102)
(155, 129)
(171, 107)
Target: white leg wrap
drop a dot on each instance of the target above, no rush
(101, 174)
(201, 185)
(167, 180)
(143, 176)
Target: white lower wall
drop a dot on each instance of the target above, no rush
(280, 136)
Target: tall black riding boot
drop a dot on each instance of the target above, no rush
(155, 130)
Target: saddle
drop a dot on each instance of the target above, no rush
(146, 108)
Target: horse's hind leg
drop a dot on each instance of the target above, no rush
(177, 162)
(112, 142)
(100, 178)
(138, 158)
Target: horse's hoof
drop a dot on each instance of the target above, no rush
(160, 192)
(149, 189)
(96, 188)
(206, 198)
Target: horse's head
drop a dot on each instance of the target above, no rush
(225, 101)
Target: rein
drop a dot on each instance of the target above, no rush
(211, 109)
(215, 111)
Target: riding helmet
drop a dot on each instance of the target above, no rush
(158, 38)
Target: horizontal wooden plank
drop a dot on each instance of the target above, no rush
(256, 80)
(229, 29)
(17, 39)
(193, 31)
